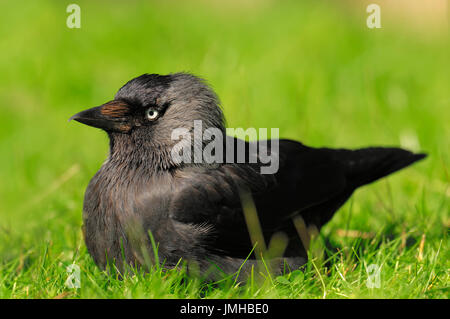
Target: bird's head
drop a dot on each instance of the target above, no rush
(147, 109)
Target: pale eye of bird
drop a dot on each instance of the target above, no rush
(151, 114)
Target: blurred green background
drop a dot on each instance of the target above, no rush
(312, 69)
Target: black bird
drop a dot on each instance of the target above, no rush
(194, 210)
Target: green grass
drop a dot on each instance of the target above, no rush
(311, 69)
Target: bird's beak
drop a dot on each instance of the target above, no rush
(111, 116)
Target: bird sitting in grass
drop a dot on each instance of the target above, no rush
(144, 204)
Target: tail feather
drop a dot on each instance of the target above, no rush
(367, 165)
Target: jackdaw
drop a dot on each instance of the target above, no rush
(194, 210)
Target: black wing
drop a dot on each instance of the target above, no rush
(311, 182)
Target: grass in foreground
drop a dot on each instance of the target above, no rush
(409, 268)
